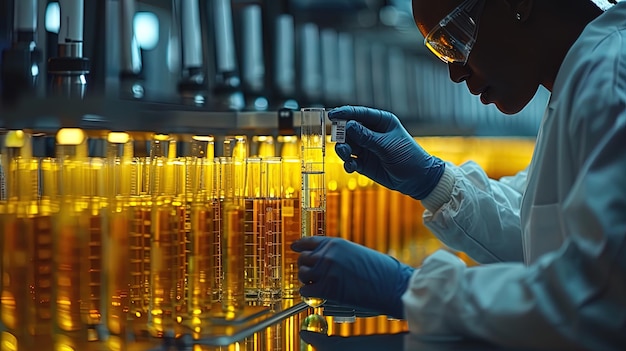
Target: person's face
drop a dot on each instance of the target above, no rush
(502, 67)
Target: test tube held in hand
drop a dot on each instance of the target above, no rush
(313, 205)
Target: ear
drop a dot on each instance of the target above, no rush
(520, 9)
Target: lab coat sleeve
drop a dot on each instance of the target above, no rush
(481, 217)
(571, 298)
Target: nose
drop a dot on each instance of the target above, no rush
(458, 72)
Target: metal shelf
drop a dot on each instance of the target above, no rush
(50, 114)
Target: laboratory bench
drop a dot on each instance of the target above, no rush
(296, 327)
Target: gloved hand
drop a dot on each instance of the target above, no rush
(336, 269)
(385, 152)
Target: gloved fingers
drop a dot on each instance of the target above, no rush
(308, 243)
(312, 288)
(309, 275)
(350, 166)
(344, 151)
(368, 164)
(360, 137)
(348, 152)
(307, 258)
(374, 119)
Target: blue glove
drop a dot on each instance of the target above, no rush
(378, 146)
(336, 269)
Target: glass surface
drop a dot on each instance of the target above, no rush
(315, 323)
(453, 38)
(313, 150)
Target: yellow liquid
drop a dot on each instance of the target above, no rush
(290, 233)
(369, 209)
(315, 323)
(232, 264)
(42, 271)
(201, 260)
(139, 259)
(263, 248)
(68, 270)
(313, 301)
(216, 251)
(270, 250)
(91, 268)
(164, 265)
(358, 204)
(118, 275)
(313, 223)
(333, 204)
(253, 219)
(27, 277)
(182, 231)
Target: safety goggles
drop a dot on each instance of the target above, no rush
(453, 38)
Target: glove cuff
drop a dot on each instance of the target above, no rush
(396, 310)
(442, 193)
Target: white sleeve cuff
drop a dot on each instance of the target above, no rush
(442, 192)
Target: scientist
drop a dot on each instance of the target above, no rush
(552, 239)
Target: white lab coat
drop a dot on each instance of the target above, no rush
(554, 236)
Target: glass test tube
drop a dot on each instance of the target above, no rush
(117, 245)
(253, 223)
(264, 146)
(290, 213)
(96, 209)
(202, 252)
(313, 139)
(233, 182)
(71, 306)
(166, 276)
(26, 249)
(140, 228)
(270, 243)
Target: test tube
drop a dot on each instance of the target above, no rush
(270, 242)
(264, 146)
(117, 246)
(202, 249)
(140, 206)
(253, 223)
(165, 241)
(313, 205)
(290, 213)
(26, 249)
(71, 308)
(95, 178)
(232, 179)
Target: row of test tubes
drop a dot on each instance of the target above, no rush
(113, 233)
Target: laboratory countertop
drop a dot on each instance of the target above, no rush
(399, 341)
(289, 327)
(314, 341)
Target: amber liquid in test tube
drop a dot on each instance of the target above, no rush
(165, 250)
(263, 228)
(140, 206)
(233, 182)
(72, 306)
(270, 242)
(313, 149)
(290, 214)
(26, 248)
(97, 213)
(202, 250)
(253, 224)
(119, 266)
